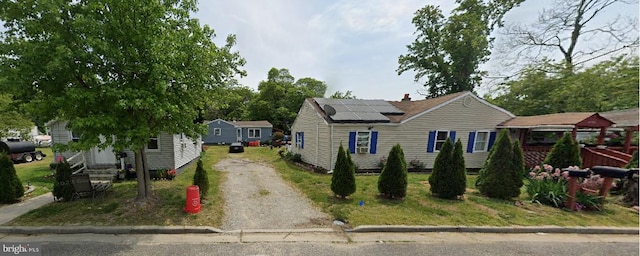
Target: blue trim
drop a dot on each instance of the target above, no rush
(431, 142)
(452, 135)
(302, 140)
(472, 140)
(352, 142)
(374, 142)
(492, 139)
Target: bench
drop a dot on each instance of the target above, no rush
(83, 186)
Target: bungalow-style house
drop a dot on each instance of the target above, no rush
(369, 128)
(225, 132)
(167, 151)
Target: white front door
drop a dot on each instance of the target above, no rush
(105, 156)
(239, 134)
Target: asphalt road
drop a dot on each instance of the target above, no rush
(332, 243)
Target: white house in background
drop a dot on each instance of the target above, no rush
(369, 128)
(167, 151)
(17, 135)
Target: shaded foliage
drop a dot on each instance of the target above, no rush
(343, 179)
(10, 185)
(392, 182)
(201, 179)
(565, 153)
(63, 188)
(502, 179)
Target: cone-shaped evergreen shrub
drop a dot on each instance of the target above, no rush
(201, 179)
(392, 182)
(565, 153)
(482, 174)
(501, 179)
(518, 160)
(63, 188)
(343, 180)
(442, 167)
(448, 179)
(10, 185)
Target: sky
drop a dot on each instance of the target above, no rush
(350, 45)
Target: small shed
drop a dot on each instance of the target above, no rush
(227, 132)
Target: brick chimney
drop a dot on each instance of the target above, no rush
(406, 97)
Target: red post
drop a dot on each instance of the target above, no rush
(603, 132)
(573, 188)
(627, 140)
(606, 186)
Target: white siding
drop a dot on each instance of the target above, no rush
(455, 116)
(185, 150)
(316, 137)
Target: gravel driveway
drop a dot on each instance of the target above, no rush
(257, 198)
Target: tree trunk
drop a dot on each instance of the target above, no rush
(142, 172)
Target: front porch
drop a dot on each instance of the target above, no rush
(538, 134)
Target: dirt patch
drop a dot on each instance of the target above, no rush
(257, 198)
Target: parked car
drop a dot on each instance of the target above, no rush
(236, 148)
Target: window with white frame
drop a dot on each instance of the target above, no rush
(74, 137)
(254, 132)
(217, 131)
(362, 142)
(153, 145)
(482, 141)
(441, 137)
(299, 139)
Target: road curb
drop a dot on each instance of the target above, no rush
(109, 230)
(26, 230)
(508, 230)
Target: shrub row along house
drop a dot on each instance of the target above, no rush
(371, 127)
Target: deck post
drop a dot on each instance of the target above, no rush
(628, 135)
(603, 132)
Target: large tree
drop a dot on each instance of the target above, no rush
(342, 95)
(129, 70)
(281, 96)
(562, 28)
(447, 52)
(548, 88)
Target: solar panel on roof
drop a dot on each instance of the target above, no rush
(359, 110)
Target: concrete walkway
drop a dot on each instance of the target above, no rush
(12, 211)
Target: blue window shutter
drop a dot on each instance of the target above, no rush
(472, 141)
(295, 139)
(432, 141)
(492, 139)
(452, 135)
(301, 139)
(374, 142)
(352, 142)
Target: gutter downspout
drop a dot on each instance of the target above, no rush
(317, 142)
(331, 149)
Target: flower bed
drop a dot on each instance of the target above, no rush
(548, 185)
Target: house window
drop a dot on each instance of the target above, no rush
(441, 137)
(153, 145)
(217, 131)
(482, 141)
(74, 137)
(362, 142)
(254, 132)
(300, 139)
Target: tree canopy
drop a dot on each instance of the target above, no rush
(548, 88)
(280, 97)
(114, 69)
(12, 119)
(565, 25)
(447, 52)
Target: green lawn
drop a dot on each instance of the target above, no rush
(418, 208)
(118, 206)
(37, 173)
(421, 208)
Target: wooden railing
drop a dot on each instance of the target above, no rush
(78, 161)
(534, 155)
(591, 157)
